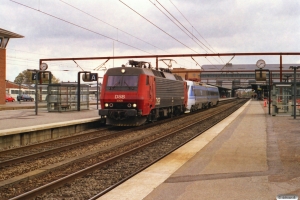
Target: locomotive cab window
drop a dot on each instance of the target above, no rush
(122, 83)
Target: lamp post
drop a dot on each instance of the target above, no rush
(295, 87)
(98, 93)
(35, 77)
(287, 77)
(86, 74)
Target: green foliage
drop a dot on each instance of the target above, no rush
(25, 77)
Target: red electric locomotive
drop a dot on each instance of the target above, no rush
(130, 96)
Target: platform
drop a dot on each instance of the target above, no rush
(23, 115)
(249, 155)
(19, 124)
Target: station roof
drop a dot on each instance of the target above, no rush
(241, 67)
(220, 87)
(9, 34)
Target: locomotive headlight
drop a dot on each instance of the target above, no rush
(129, 105)
(134, 105)
(106, 104)
(123, 71)
(111, 105)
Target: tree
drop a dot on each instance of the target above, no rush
(25, 77)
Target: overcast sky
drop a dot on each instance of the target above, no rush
(96, 28)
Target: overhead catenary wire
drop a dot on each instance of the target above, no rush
(118, 29)
(193, 27)
(89, 29)
(211, 48)
(197, 63)
(161, 29)
(78, 65)
(80, 27)
(16, 60)
(157, 26)
(111, 25)
(191, 34)
(174, 22)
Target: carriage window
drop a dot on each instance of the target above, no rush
(192, 91)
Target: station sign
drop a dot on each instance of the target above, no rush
(94, 77)
(44, 75)
(35, 76)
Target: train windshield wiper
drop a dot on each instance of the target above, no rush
(117, 83)
(127, 85)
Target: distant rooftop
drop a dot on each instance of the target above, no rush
(234, 67)
(9, 34)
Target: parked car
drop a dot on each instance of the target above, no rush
(24, 97)
(9, 98)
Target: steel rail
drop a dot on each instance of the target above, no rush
(63, 147)
(156, 160)
(62, 181)
(51, 150)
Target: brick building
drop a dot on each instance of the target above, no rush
(4, 38)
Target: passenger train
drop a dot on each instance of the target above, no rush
(201, 96)
(131, 96)
(14, 92)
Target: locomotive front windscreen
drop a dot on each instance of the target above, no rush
(122, 83)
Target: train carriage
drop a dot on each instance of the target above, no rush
(201, 96)
(130, 96)
(212, 95)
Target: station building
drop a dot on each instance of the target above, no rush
(4, 38)
(239, 76)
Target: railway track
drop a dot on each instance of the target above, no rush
(20, 154)
(126, 145)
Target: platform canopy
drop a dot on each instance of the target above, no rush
(9, 34)
(5, 36)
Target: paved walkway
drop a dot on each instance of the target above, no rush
(250, 155)
(18, 116)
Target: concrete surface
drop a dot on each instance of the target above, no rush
(18, 118)
(249, 155)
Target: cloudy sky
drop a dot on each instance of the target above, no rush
(100, 28)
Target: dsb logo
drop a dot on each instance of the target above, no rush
(117, 96)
